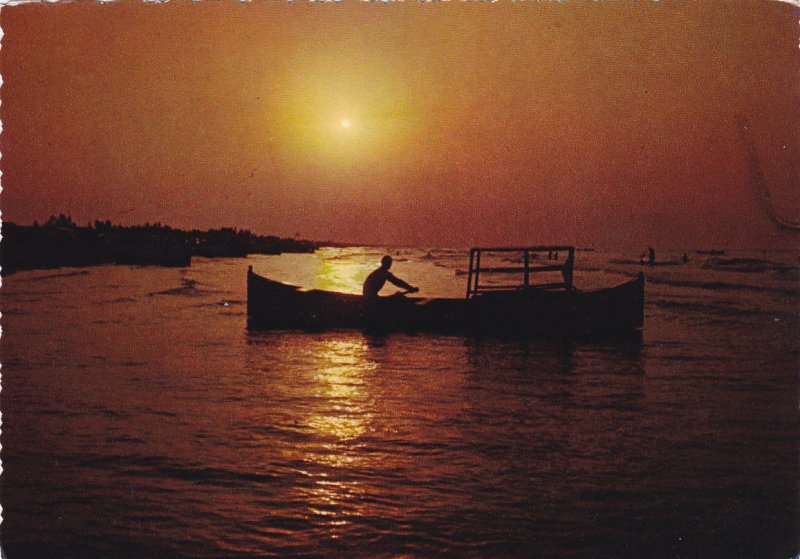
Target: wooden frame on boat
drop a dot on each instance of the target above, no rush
(473, 281)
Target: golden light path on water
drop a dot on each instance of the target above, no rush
(343, 416)
(343, 275)
(340, 383)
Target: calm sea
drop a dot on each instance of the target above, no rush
(141, 419)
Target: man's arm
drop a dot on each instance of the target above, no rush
(400, 283)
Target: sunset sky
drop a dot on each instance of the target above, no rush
(611, 124)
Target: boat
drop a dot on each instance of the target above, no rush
(554, 308)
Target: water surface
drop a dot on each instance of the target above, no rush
(141, 419)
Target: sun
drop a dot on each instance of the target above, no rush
(345, 124)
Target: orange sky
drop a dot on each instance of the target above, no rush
(596, 123)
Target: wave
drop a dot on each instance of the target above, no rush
(788, 273)
(60, 275)
(188, 287)
(351, 255)
(746, 265)
(632, 262)
(118, 300)
(710, 308)
(162, 467)
(724, 286)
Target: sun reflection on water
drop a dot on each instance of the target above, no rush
(343, 415)
(342, 275)
(340, 387)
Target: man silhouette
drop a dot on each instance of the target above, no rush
(378, 278)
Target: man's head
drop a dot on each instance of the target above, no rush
(386, 262)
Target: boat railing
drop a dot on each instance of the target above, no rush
(528, 265)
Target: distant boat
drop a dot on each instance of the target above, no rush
(712, 252)
(546, 309)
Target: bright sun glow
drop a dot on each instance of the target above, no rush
(345, 123)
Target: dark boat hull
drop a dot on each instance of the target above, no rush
(617, 311)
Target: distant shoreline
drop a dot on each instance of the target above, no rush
(59, 242)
